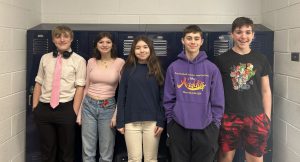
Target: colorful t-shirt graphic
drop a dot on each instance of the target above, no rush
(241, 75)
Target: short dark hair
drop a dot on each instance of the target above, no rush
(192, 29)
(241, 21)
(96, 52)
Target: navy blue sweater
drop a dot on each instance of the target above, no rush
(139, 97)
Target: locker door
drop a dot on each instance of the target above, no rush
(263, 42)
(80, 43)
(124, 43)
(38, 43)
(218, 43)
(167, 46)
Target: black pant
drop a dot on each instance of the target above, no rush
(56, 129)
(188, 145)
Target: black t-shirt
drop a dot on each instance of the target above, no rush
(242, 81)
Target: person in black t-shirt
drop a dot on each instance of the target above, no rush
(245, 75)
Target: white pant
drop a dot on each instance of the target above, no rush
(140, 139)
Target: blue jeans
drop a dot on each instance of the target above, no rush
(96, 118)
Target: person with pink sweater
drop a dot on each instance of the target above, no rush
(98, 109)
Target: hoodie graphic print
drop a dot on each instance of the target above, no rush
(191, 83)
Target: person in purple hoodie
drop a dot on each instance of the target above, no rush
(193, 102)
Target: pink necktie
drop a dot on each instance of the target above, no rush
(54, 101)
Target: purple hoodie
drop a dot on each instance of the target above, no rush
(193, 93)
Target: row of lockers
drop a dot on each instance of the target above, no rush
(167, 44)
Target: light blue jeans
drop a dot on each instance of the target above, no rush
(96, 118)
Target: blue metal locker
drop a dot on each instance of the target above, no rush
(219, 42)
(124, 42)
(167, 44)
(38, 43)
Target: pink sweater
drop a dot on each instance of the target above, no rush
(102, 82)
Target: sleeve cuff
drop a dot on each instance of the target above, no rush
(38, 79)
(80, 83)
(160, 124)
(121, 125)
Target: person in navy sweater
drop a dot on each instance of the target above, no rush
(193, 102)
(140, 115)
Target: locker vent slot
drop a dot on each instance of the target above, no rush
(160, 47)
(40, 46)
(126, 46)
(221, 45)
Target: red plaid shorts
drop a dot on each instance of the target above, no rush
(251, 132)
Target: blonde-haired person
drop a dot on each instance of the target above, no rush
(57, 97)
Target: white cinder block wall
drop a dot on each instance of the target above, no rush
(148, 11)
(16, 16)
(283, 17)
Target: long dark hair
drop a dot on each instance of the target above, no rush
(96, 52)
(152, 62)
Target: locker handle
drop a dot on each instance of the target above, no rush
(29, 99)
